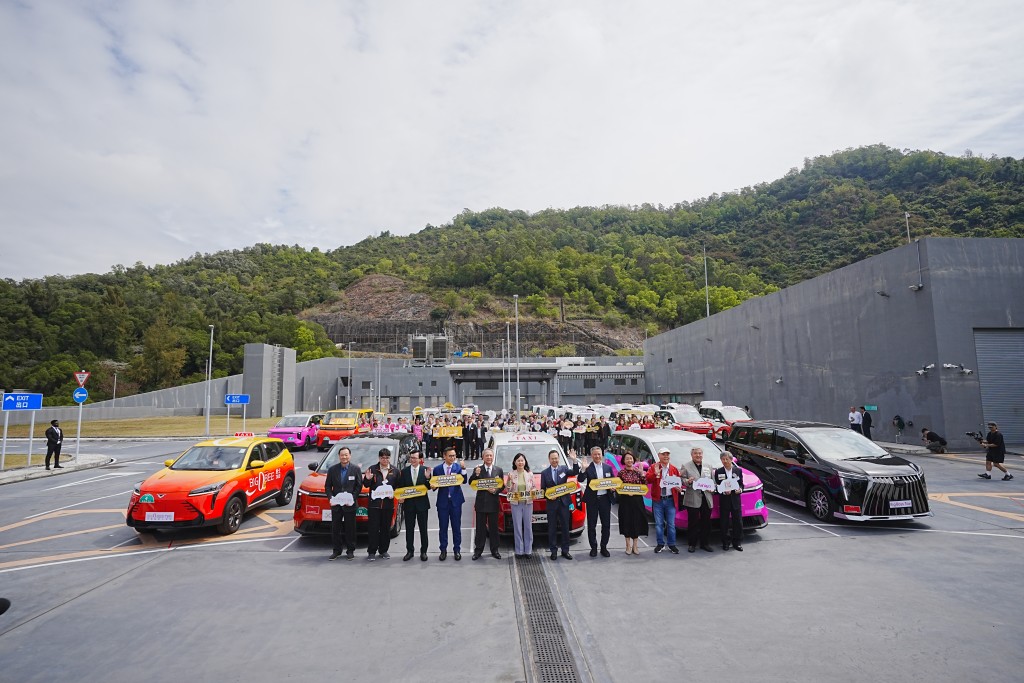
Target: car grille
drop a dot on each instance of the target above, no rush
(883, 490)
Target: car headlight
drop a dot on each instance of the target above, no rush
(138, 487)
(853, 476)
(209, 488)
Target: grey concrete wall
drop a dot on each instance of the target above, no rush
(835, 341)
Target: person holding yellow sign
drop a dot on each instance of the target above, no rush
(415, 508)
(559, 514)
(599, 502)
(486, 504)
(632, 518)
(519, 484)
(449, 505)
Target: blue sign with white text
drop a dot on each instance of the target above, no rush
(80, 394)
(236, 399)
(23, 401)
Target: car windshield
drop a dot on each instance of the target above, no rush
(840, 444)
(536, 455)
(293, 421)
(340, 418)
(686, 414)
(212, 458)
(363, 454)
(732, 413)
(681, 451)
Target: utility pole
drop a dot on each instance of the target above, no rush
(209, 378)
(519, 395)
(707, 296)
(906, 216)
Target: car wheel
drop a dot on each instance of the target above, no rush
(287, 489)
(232, 518)
(309, 443)
(820, 504)
(321, 449)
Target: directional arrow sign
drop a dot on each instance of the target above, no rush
(236, 399)
(23, 401)
(82, 377)
(80, 394)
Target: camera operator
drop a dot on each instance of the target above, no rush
(995, 449)
(934, 442)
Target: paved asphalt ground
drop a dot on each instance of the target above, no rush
(938, 600)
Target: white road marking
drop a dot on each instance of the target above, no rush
(776, 512)
(130, 540)
(289, 544)
(904, 528)
(112, 495)
(98, 478)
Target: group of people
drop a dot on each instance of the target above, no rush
(667, 485)
(860, 421)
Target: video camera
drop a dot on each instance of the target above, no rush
(977, 436)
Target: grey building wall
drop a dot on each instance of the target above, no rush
(855, 336)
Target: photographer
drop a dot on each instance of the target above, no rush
(995, 449)
(934, 442)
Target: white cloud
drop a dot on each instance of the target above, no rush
(149, 131)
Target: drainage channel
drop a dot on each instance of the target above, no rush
(548, 657)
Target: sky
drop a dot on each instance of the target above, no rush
(150, 131)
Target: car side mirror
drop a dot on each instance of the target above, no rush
(312, 467)
(168, 462)
(256, 464)
(789, 453)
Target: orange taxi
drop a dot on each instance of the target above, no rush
(338, 424)
(213, 484)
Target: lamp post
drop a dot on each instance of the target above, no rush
(348, 384)
(113, 401)
(519, 395)
(906, 217)
(707, 296)
(209, 377)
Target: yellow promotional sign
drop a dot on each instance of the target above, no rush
(484, 484)
(571, 486)
(441, 480)
(410, 492)
(604, 484)
(447, 432)
(632, 489)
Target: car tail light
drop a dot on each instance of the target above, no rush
(851, 509)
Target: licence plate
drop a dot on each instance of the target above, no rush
(539, 519)
(325, 515)
(159, 516)
(899, 504)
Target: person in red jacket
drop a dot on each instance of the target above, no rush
(664, 481)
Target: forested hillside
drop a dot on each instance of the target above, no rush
(638, 266)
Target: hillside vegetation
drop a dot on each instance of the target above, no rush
(635, 266)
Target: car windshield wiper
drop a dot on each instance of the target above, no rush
(870, 457)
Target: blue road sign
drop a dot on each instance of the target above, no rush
(236, 399)
(23, 401)
(80, 394)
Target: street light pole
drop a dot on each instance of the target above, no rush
(348, 384)
(209, 377)
(113, 401)
(906, 216)
(707, 296)
(519, 395)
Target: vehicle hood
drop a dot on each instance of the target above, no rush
(882, 466)
(285, 430)
(749, 478)
(170, 481)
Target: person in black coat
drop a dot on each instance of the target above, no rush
(486, 506)
(343, 477)
(415, 509)
(730, 506)
(599, 503)
(865, 423)
(54, 439)
(380, 510)
(558, 509)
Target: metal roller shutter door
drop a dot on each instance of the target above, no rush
(1001, 376)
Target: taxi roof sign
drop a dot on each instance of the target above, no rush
(244, 434)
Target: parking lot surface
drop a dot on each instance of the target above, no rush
(932, 600)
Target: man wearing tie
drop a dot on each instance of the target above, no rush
(415, 509)
(344, 476)
(697, 503)
(479, 437)
(487, 506)
(54, 438)
(599, 503)
(449, 506)
(729, 506)
(558, 509)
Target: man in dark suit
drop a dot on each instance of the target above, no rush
(558, 509)
(415, 509)
(729, 505)
(486, 506)
(54, 439)
(449, 506)
(479, 436)
(599, 503)
(380, 511)
(865, 423)
(343, 477)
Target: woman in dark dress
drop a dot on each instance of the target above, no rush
(632, 518)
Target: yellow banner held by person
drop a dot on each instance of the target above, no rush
(484, 484)
(525, 496)
(571, 486)
(632, 489)
(604, 484)
(441, 480)
(410, 492)
(447, 432)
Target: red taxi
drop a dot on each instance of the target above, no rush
(337, 424)
(686, 418)
(312, 506)
(535, 446)
(214, 483)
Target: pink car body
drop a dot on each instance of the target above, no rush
(298, 430)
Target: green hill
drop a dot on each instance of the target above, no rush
(637, 266)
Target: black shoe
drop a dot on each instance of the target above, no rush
(408, 556)
(350, 555)
(985, 475)
(496, 555)
(385, 556)
(58, 467)
(566, 555)
(707, 548)
(1007, 477)
(725, 546)
(554, 554)
(658, 548)
(605, 553)
(691, 548)
(371, 558)
(423, 556)
(476, 556)
(444, 554)
(47, 469)
(334, 556)
(458, 556)
(738, 547)
(674, 549)
(593, 552)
